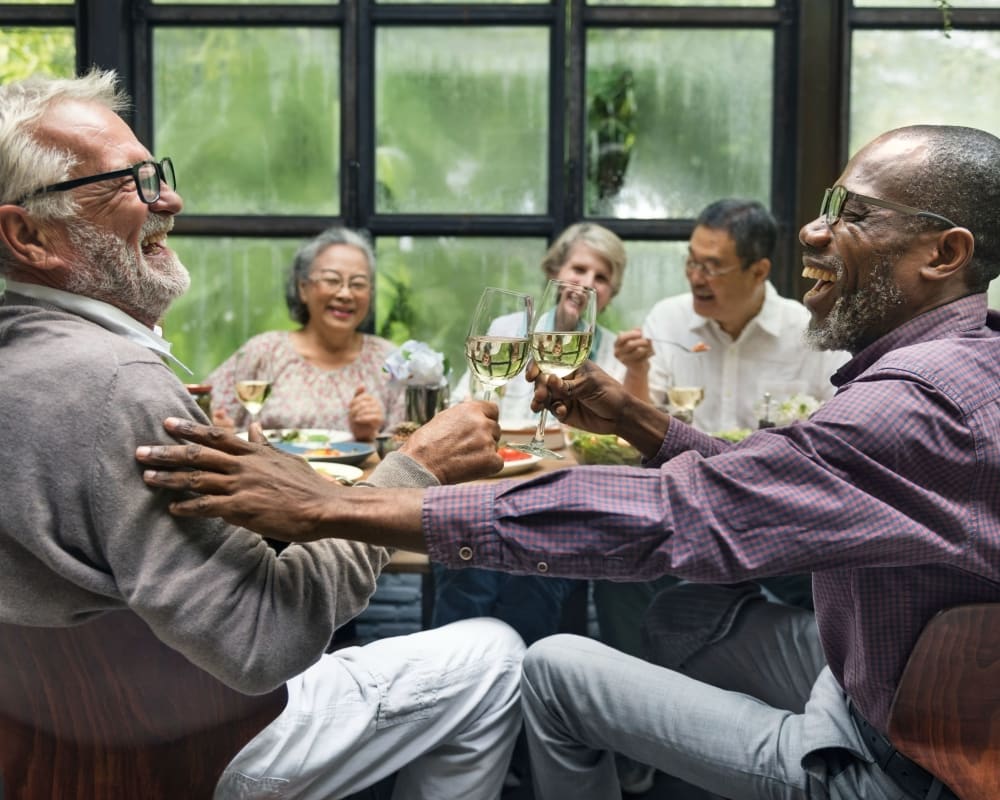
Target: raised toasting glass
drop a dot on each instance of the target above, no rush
(497, 345)
(253, 385)
(561, 335)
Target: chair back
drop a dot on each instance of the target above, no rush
(946, 711)
(106, 711)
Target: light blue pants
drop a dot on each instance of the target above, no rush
(583, 701)
(440, 706)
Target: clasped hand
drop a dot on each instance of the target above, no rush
(590, 399)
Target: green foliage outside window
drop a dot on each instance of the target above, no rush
(251, 118)
(26, 51)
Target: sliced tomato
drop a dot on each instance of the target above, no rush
(510, 454)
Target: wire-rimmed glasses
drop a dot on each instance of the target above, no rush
(148, 176)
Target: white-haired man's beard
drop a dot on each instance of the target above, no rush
(110, 270)
(859, 318)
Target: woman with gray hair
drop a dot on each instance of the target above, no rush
(326, 374)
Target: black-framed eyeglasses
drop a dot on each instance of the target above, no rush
(835, 198)
(148, 176)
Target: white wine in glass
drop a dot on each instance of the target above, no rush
(685, 399)
(253, 395)
(497, 345)
(253, 386)
(561, 336)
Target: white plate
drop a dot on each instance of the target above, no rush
(518, 466)
(331, 469)
(317, 437)
(553, 435)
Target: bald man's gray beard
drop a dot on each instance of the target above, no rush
(111, 271)
(859, 318)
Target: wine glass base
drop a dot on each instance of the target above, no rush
(536, 450)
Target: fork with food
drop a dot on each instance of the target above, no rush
(635, 346)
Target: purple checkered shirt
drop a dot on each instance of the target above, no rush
(889, 494)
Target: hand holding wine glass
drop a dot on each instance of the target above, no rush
(253, 385)
(561, 335)
(495, 358)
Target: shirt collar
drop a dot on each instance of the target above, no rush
(965, 314)
(768, 319)
(101, 313)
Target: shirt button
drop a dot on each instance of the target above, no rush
(543, 567)
(465, 553)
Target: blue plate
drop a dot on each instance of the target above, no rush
(337, 452)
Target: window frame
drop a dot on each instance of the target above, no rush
(810, 111)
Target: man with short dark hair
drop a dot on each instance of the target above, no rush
(889, 494)
(84, 215)
(754, 336)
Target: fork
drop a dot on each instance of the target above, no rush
(698, 347)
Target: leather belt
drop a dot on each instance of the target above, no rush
(913, 779)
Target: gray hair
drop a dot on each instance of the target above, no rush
(26, 164)
(302, 265)
(599, 239)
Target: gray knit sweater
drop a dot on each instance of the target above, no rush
(80, 533)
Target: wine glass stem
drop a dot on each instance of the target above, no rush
(487, 394)
(538, 440)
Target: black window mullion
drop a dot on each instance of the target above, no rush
(783, 136)
(357, 169)
(576, 111)
(560, 103)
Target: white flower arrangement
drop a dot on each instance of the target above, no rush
(796, 407)
(416, 364)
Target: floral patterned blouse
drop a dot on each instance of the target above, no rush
(303, 395)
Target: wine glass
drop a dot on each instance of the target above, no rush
(253, 385)
(561, 335)
(497, 345)
(684, 400)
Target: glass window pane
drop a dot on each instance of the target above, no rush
(25, 51)
(922, 5)
(246, 2)
(461, 120)
(427, 287)
(655, 270)
(237, 290)
(908, 77)
(698, 3)
(670, 130)
(511, 2)
(251, 118)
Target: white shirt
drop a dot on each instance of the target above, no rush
(770, 355)
(515, 398)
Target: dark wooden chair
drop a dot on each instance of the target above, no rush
(106, 711)
(946, 712)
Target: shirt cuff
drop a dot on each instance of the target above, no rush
(458, 525)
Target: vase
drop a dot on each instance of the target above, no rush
(423, 402)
